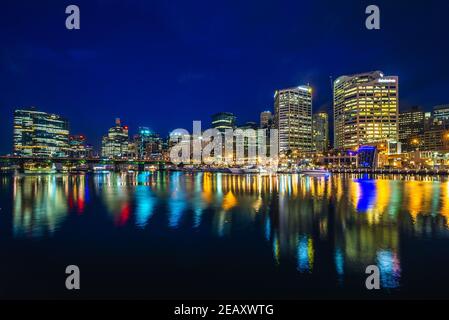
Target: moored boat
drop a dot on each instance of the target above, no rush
(314, 172)
(236, 170)
(251, 169)
(33, 168)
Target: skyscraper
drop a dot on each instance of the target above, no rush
(266, 119)
(250, 141)
(223, 121)
(40, 134)
(441, 114)
(411, 128)
(365, 109)
(148, 144)
(115, 143)
(293, 118)
(79, 147)
(321, 131)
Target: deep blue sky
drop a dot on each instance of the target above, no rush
(165, 63)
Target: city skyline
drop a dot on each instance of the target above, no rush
(438, 111)
(223, 68)
(370, 99)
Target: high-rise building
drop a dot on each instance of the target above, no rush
(79, 147)
(223, 121)
(266, 119)
(250, 141)
(428, 120)
(133, 150)
(321, 132)
(411, 128)
(365, 109)
(40, 134)
(148, 144)
(435, 139)
(115, 143)
(441, 114)
(293, 118)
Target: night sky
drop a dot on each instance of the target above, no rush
(165, 63)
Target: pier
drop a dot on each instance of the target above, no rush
(442, 172)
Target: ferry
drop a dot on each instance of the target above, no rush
(32, 168)
(103, 169)
(248, 170)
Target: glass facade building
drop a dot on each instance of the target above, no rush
(115, 143)
(223, 121)
(367, 157)
(441, 114)
(148, 144)
(321, 132)
(79, 147)
(293, 118)
(411, 128)
(266, 119)
(40, 134)
(365, 109)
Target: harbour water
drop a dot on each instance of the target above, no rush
(214, 235)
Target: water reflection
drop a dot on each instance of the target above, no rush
(389, 267)
(41, 203)
(339, 265)
(145, 205)
(362, 220)
(305, 254)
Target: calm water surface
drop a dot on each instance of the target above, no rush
(205, 235)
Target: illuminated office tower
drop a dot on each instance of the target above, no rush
(320, 132)
(293, 118)
(411, 128)
(266, 119)
(148, 143)
(250, 140)
(365, 109)
(40, 134)
(441, 114)
(428, 120)
(435, 139)
(223, 121)
(79, 147)
(115, 143)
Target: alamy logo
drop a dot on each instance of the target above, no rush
(373, 20)
(73, 20)
(373, 280)
(73, 280)
(224, 147)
